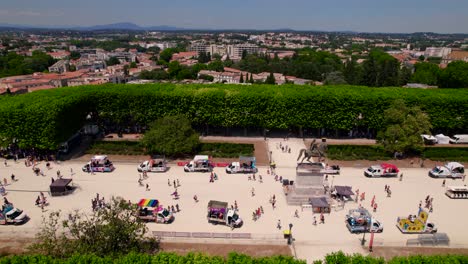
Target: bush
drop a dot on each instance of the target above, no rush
(226, 150)
(116, 147)
(216, 150)
(375, 152)
(358, 152)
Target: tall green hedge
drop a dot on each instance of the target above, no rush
(45, 118)
(233, 258)
(160, 258)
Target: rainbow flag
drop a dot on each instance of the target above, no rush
(148, 203)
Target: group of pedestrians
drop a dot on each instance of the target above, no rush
(173, 209)
(273, 201)
(257, 213)
(98, 203)
(388, 191)
(41, 201)
(428, 203)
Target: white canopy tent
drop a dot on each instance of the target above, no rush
(442, 139)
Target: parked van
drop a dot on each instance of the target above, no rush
(459, 139)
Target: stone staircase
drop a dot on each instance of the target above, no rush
(299, 195)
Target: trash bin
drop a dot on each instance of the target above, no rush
(286, 234)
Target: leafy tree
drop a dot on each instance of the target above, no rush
(380, 69)
(425, 72)
(154, 75)
(216, 65)
(74, 55)
(171, 135)
(204, 57)
(154, 49)
(270, 79)
(174, 68)
(455, 75)
(404, 76)
(133, 65)
(126, 70)
(112, 61)
(166, 55)
(228, 62)
(335, 77)
(244, 54)
(112, 230)
(421, 58)
(206, 77)
(402, 128)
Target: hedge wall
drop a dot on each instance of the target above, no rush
(45, 118)
(233, 258)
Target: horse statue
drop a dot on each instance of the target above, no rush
(315, 150)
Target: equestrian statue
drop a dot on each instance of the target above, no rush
(315, 150)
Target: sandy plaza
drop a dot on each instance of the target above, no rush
(311, 241)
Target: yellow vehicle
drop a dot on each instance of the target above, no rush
(416, 224)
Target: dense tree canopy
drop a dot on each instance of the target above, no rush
(46, 118)
(402, 128)
(171, 135)
(13, 64)
(110, 231)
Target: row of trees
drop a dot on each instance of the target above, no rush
(45, 118)
(378, 69)
(12, 64)
(455, 75)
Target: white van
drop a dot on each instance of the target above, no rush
(459, 139)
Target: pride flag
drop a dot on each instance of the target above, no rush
(148, 203)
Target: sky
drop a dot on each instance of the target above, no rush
(404, 16)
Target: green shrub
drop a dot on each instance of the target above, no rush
(226, 150)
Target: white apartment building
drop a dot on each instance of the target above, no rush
(209, 48)
(437, 52)
(235, 51)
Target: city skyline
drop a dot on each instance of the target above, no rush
(333, 15)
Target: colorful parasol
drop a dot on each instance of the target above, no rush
(148, 203)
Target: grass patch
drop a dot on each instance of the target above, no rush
(446, 154)
(357, 152)
(375, 152)
(216, 150)
(116, 148)
(226, 150)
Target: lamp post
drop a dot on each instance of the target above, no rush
(290, 239)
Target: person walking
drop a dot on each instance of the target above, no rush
(260, 179)
(147, 187)
(278, 225)
(401, 177)
(296, 214)
(315, 221)
(322, 218)
(178, 183)
(443, 183)
(168, 182)
(195, 198)
(253, 192)
(177, 207)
